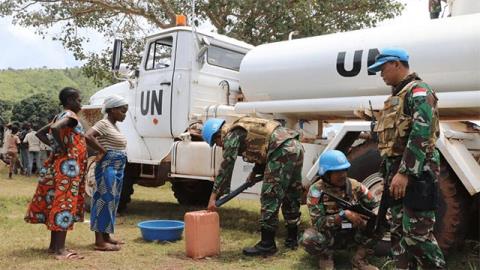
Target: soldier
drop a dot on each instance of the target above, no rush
(407, 131)
(434, 7)
(278, 158)
(332, 225)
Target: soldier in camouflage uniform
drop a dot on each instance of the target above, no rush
(334, 227)
(434, 7)
(407, 131)
(278, 157)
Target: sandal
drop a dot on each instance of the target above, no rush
(108, 247)
(69, 256)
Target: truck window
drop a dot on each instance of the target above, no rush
(159, 54)
(224, 58)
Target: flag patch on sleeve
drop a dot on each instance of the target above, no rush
(419, 92)
(315, 196)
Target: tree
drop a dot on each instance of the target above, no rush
(5, 112)
(252, 21)
(38, 109)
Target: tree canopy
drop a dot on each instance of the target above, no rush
(38, 110)
(252, 21)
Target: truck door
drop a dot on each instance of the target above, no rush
(154, 92)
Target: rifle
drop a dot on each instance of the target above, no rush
(381, 222)
(357, 208)
(373, 123)
(237, 191)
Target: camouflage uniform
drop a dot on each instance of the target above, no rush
(434, 7)
(282, 167)
(195, 130)
(407, 132)
(327, 232)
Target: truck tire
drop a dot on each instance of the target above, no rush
(192, 192)
(127, 191)
(451, 218)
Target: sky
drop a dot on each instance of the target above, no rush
(21, 48)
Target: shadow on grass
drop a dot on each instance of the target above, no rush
(232, 219)
(306, 262)
(30, 254)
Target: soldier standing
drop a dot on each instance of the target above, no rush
(407, 131)
(278, 157)
(332, 225)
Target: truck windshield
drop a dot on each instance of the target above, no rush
(224, 58)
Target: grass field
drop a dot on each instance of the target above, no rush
(24, 246)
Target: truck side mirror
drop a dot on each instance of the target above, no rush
(117, 54)
(205, 44)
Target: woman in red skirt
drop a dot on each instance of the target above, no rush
(58, 201)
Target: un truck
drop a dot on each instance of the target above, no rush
(307, 84)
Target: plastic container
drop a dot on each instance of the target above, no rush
(202, 234)
(161, 230)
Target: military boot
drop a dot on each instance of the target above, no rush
(291, 241)
(325, 262)
(265, 247)
(359, 260)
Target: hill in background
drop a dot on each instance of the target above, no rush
(16, 85)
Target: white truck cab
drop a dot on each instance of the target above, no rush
(184, 77)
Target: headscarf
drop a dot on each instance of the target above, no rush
(113, 101)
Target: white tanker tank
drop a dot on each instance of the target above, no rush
(446, 53)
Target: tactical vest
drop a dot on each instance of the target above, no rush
(394, 126)
(259, 132)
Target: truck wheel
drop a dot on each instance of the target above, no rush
(452, 213)
(127, 191)
(192, 192)
(451, 218)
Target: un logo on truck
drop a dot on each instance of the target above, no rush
(151, 105)
(357, 62)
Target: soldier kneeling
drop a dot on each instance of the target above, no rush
(333, 226)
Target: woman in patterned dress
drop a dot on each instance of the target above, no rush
(58, 201)
(106, 138)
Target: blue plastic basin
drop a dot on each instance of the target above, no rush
(161, 230)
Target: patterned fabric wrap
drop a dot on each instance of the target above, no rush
(58, 201)
(109, 174)
(412, 235)
(259, 133)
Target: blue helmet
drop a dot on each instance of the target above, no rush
(210, 128)
(388, 55)
(332, 160)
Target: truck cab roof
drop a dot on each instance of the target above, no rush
(242, 46)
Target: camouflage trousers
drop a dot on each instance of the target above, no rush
(412, 237)
(323, 243)
(282, 185)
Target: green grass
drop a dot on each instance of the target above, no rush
(23, 245)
